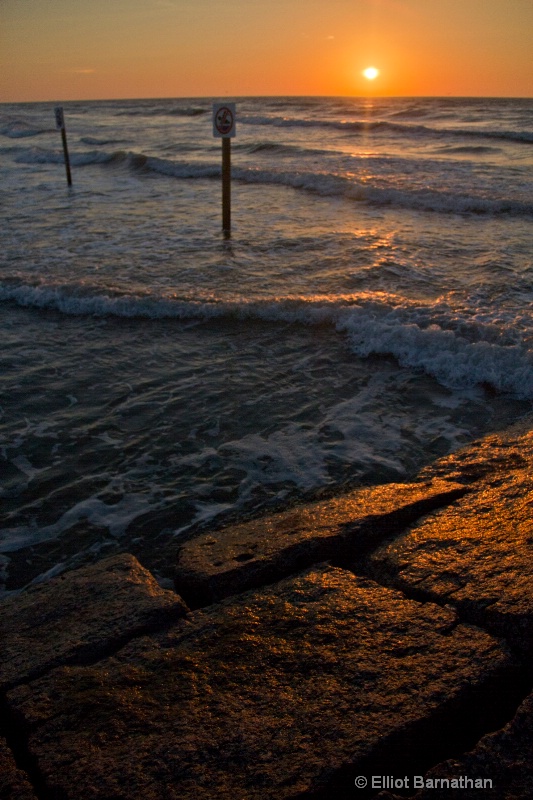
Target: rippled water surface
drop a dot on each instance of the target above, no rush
(371, 311)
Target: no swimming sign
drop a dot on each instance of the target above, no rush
(224, 120)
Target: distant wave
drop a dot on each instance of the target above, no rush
(275, 148)
(21, 130)
(164, 111)
(93, 140)
(126, 158)
(41, 156)
(421, 112)
(405, 129)
(329, 185)
(324, 184)
(522, 137)
(468, 150)
(417, 199)
(459, 350)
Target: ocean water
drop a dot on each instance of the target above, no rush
(371, 311)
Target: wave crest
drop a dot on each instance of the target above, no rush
(458, 350)
(325, 184)
(404, 129)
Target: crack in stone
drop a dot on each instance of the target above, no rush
(210, 581)
(460, 726)
(17, 742)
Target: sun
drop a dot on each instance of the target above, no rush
(371, 73)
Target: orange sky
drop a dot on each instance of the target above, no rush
(93, 49)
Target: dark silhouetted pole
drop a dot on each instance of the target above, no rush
(60, 125)
(224, 128)
(226, 186)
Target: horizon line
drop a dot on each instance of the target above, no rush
(271, 96)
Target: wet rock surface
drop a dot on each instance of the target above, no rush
(500, 766)
(408, 654)
(14, 782)
(214, 566)
(476, 556)
(236, 697)
(80, 615)
(504, 758)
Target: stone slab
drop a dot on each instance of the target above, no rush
(503, 757)
(80, 615)
(14, 783)
(488, 458)
(476, 555)
(275, 693)
(217, 565)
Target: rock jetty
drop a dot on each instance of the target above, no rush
(373, 645)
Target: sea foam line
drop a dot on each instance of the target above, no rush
(459, 352)
(323, 184)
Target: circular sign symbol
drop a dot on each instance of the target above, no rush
(224, 120)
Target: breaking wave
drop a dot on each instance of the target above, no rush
(324, 184)
(460, 350)
(403, 129)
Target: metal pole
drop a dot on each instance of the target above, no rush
(67, 159)
(226, 186)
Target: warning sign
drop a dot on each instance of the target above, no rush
(60, 120)
(224, 120)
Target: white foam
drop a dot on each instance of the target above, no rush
(115, 518)
(289, 454)
(445, 354)
(458, 350)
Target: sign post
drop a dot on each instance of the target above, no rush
(224, 128)
(60, 125)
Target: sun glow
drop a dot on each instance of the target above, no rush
(371, 73)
